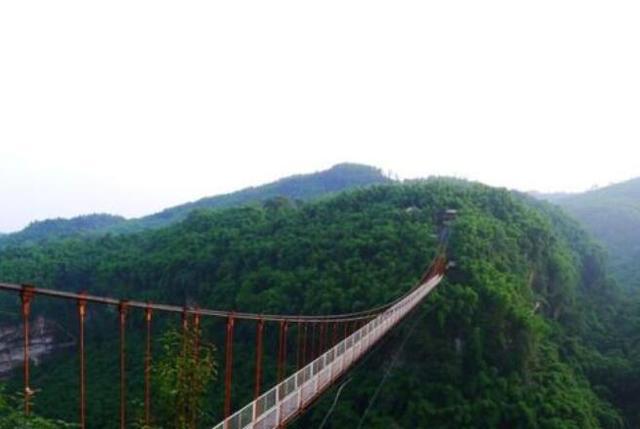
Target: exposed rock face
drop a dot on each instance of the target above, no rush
(45, 338)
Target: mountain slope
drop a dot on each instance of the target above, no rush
(299, 187)
(521, 335)
(612, 215)
(59, 228)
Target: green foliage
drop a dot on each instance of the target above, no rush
(299, 187)
(51, 229)
(522, 334)
(612, 214)
(12, 416)
(181, 378)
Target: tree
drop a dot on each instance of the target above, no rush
(182, 376)
(12, 417)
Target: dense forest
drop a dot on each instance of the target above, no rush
(303, 187)
(612, 215)
(49, 229)
(527, 331)
(338, 178)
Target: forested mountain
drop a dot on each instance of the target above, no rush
(526, 332)
(49, 229)
(299, 187)
(612, 214)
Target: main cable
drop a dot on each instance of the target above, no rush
(109, 301)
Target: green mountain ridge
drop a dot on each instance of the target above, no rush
(60, 228)
(299, 187)
(526, 332)
(338, 178)
(612, 215)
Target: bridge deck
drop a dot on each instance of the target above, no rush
(289, 398)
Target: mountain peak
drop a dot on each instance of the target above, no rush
(338, 178)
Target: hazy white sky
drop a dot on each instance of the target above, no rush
(132, 106)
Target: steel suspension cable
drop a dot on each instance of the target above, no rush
(363, 315)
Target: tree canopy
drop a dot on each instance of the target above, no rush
(524, 332)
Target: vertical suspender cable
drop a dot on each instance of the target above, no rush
(147, 368)
(285, 329)
(26, 295)
(182, 375)
(326, 340)
(279, 358)
(122, 311)
(282, 350)
(314, 351)
(196, 359)
(228, 367)
(282, 361)
(304, 344)
(299, 348)
(196, 333)
(82, 313)
(258, 365)
(321, 339)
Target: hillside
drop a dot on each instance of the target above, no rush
(51, 229)
(527, 331)
(338, 178)
(299, 187)
(612, 215)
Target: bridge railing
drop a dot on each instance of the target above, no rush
(290, 397)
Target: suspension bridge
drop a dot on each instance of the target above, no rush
(323, 356)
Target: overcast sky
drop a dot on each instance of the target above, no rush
(131, 106)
